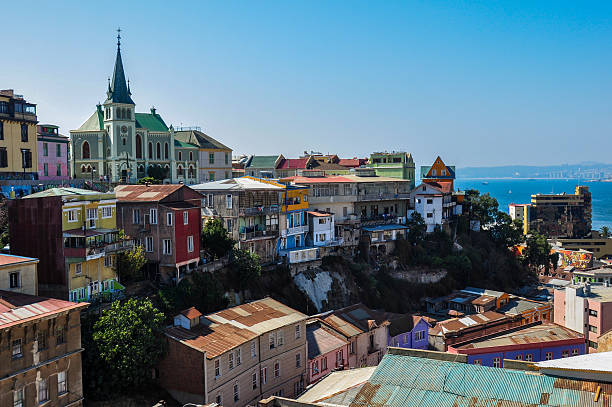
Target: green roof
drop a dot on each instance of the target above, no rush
(200, 139)
(62, 191)
(181, 144)
(94, 123)
(262, 161)
(150, 121)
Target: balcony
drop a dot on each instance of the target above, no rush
(297, 230)
(303, 255)
(250, 233)
(99, 250)
(383, 219)
(259, 210)
(382, 196)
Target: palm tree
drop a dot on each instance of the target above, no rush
(605, 231)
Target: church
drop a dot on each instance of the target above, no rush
(117, 144)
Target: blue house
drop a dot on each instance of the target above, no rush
(409, 331)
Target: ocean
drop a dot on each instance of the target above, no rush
(518, 191)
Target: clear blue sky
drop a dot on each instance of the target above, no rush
(477, 82)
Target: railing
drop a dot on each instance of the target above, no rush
(258, 233)
(385, 196)
(259, 210)
(296, 230)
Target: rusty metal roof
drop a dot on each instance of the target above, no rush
(355, 319)
(145, 193)
(457, 324)
(421, 382)
(17, 308)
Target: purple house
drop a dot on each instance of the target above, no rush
(409, 331)
(52, 153)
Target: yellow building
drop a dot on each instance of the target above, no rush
(18, 143)
(18, 274)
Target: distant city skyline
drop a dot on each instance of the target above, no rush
(478, 83)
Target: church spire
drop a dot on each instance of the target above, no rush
(119, 92)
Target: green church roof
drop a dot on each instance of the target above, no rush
(150, 121)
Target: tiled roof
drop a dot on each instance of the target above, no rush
(150, 121)
(145, 193)
(16, 308)
(191, 313)
(421, 382)
(352, 162)
(8, 259)
(322, 340)
(292, 163)
(319, 214)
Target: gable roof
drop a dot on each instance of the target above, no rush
(322, 340)
(183, 144)
(293, 163)
(94, 123)
(63, 191)
(426, 171)
(355, 319)
(9, 259)
(16, 308)
(240, 183)
(352, 162)
(198, 138)
(404, 324)
(153, 193)
(262, 161)
(150, 121)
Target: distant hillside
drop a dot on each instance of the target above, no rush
(587, 170)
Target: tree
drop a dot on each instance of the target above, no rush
(247, 267)
(416, 228)
(505, 231)
(129, 340)
(605, 232)
(215, 239)
(148, 180)
(129, 263)
(484, 208)
(156, 172)
(537, 253)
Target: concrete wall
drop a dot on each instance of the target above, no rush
(28, 278)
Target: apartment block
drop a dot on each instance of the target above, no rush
(562, 215)
(237, 356)
(53, 153)
(18, 145)
(396, 164)
(40, 351)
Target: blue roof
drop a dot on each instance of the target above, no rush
(380, 228)
(422, 382)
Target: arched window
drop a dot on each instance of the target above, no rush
(85, 153)
(179, 171)
(166, 151)
(180, 155)
(89, 168)
(83, 169)
(138, 146)
(191, 172)
(191, 156)
(158, 148)
(150, 149)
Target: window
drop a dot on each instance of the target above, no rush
(272, 340)
(592, 344)
(1, 123)
(228, 201)
(298, 360)
(277, 369)
(564, 354)
(211, 158)
(253, 349)
(519, 357)
(92, 213)
(217, 368)
(280, 339)
(548, 356)
(592, 312)
(62, 386)
(529, 357)
(150, 149)
(169, 218)
(185, 217)
(191, 156)
(218, 399)
(478, 362)
(231, 361)
(254, 380)
(107, 212)
(153, 216)
(238, 357)
(496, 362)
(180, 155)
(18, 398)
(45, 149)
(158, 150)
(14, 280)
(339, 358)
(136, 216)
(85, 153)
(17, 351)
(43, 390)
(58, 170)
(78, 268)
(26, 158)
(211, 176)
(264, 375)
(60, 335)
(419, 335)
(298, 331)
(24, 133)
(324, 364)
(210, 200)
(575, 352)
(189, 244)
(429, 201)
(3, 157)
(592, 328)
(166, 151)
(167, 246)
(352, 348)
(41, 338)
(315, 367)
(149, 244)
(58, 150)
(226, 158)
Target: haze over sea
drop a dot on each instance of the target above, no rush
(511, 190)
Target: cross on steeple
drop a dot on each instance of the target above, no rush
(118, 37)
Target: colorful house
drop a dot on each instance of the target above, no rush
(409, 331)
(215, 158)
(438, 173)
(52, 153)
(262, 166)
(396, 164)
(532, 343)
(74, 234)
(294, 226)
(327, 350)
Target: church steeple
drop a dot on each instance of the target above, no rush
(119, 91)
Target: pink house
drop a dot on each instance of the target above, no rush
(52, 153)
(586, 309)
(327, 350)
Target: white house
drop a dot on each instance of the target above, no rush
(434, 202)
(321, 228)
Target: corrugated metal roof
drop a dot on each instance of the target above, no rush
(16, 308)
(420, 382)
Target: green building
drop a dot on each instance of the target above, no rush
(397, 164)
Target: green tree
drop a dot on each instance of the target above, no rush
(148, 180)
(505, 231)
(484, 208)
(605, 232)
(158, 173)
(130, 263)
(537, 254)
(128, 337)
(416, 228)
(215, 238)
(246, 266)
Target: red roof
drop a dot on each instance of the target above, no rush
(318, 180)
(292, 163)
(191, 313)
(443, 186)
(352, 162)
(319, 214)
(145, 193)
(16, 308)
(6, 259)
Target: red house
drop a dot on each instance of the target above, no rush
(166, 221)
